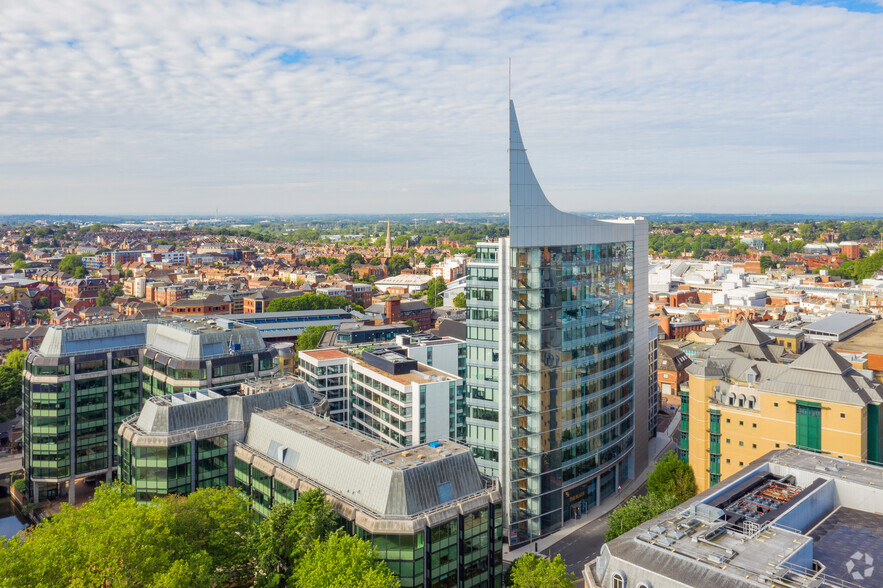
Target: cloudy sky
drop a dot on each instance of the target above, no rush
(395, 106)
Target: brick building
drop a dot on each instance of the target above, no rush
(79, 288)
(211, 304)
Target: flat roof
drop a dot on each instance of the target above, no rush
(358, 444)
(838, 323)
(424, 373)
(847, 542)
(325, 354)
(869, 339)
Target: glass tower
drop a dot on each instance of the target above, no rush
(557, 375)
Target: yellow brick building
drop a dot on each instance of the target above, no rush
(743, 402)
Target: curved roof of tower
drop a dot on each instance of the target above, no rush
(534, 221)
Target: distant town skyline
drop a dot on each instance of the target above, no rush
(319, 107)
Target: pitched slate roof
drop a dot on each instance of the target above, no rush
(746, 334)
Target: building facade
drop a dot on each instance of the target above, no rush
(743, 403)
(434, 519)
(185, 441)
(557, 375)
(82, 382)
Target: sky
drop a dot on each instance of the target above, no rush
(323, 106)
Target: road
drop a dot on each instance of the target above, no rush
(584, 544)
(10, 464)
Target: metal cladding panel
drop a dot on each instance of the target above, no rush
(533, 221)
(60, 341)
(365, 483)
(421, 484)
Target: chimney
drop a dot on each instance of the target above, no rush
(393, 309)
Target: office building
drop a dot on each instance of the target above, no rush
(338, 375)
(791, 518)
(557, 371)
(742, 403)
(181, 442)
(82, 382)
(432, 516)
(326, 372)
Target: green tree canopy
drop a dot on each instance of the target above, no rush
(307, 302)
(10, 379)
(343, 561)
(635, 511)
(460, 300)
(533, 571)
(20, 264)
(103, 298)
(112, 540)
(396, 264)
(15, 256)
(283, 538)
(310, 337)
(434, 289)
(73, 265)
(673, 477)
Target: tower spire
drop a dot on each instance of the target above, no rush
(387, 249)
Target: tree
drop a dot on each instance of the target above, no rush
(434, 289)
(400, 241)
(279, 249)
(430, 260)
(15, 256)
(533, 571)
(282, 539)
(428, 241)
(671, 476)
(103, 298)
(310, 337)
(116, 290)
(73, 265)
(343, 561)
(635, 511)
(217, 521)
(112, 540)
(396, 264)
(20, 264)
(766, 262)
(415, 326)
(460, 300)
(307, 302)
(10, 377)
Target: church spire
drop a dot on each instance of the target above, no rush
(387, 249)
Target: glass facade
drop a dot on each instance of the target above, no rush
(569, 326)
(72, 409)
(156, 470)
(465, 551)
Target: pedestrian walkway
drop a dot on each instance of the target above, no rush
(655, 448)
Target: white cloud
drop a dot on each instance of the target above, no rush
(670, 105)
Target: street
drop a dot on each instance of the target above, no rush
(10, 464)
(584, 544)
